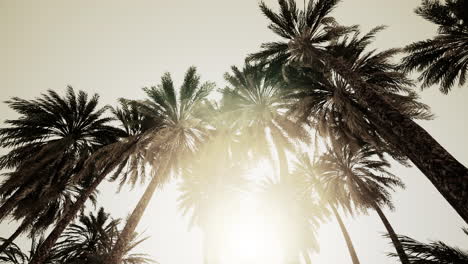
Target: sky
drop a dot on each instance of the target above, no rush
(116, 47)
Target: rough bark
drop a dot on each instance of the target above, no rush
(393, 236)
(12, 238)
(349, 243)
(448, 175)
(44, 249)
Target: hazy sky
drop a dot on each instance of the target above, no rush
(117, 47)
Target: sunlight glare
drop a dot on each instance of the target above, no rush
(250, 239)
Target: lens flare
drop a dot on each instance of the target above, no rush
(250, 238)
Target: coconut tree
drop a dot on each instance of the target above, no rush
(434, 252)
(362, 175)
(47, 144)
(311, 171)
(179, 136)
(295, 215)
(48, 141)
(323, 100)
(35, 217)
(114, 158)
(307, 35)
(258, 104)
(442, 59)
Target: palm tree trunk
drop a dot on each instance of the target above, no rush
(132, 222)
(447, 174)
(393, 236)
(349, 243)
(43, 251)
(18, 232)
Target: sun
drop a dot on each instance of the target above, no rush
(250, 239)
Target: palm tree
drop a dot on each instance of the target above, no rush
(361, 174)
(294, 214)
(134, 123)
(91, 238)
(434, 252)
(48, 141)
(47, 145)
(311, 171)
(179, 136)
(37, 216)
(442, 59)
(308, 34)
(86, 242)
(110, 158)
(258, 104)
(324, 101)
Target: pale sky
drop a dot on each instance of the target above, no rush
(116, 47)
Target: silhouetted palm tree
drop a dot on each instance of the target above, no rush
(443, 59)
(360, 175)
(432, 253)
(301, 29)
(48, 144)
(112, 157)
(324, 101)
(179, 136)
(39, 215)
(87, 241)
(258, 103)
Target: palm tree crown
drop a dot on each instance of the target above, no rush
(443, 59)
(258, 103)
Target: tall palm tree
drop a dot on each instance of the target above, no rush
(91, 238)
(294, 214)
(308, 34)
(324, 101)
(37, 216)
(113, 157)
(442, 59)
(434, 252)
(361, 174)
(48, 143)
(258, 103)
(178, 137)
(310, 171)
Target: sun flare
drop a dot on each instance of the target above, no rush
(250, 238)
